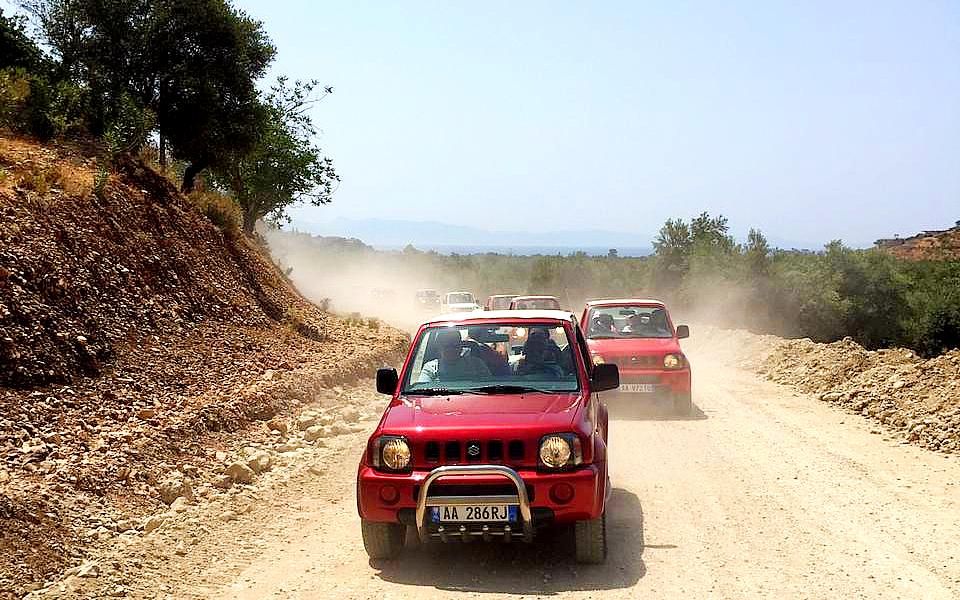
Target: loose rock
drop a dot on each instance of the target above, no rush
(240, 473)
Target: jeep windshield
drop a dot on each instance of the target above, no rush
(536, 304)
(512, 358)
(460, 298)
(607, 322)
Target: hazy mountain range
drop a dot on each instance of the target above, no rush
(464, 239)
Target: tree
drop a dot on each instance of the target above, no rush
(203, 85)
(672, 250)
(757, 252)
(17, 50)
(188, 67)
(285, 166)
(711, 234)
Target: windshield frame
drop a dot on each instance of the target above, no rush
(569, 327)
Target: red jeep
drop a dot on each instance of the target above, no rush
(639, 337)
(478, 443)
(534, 303)
(498, 302)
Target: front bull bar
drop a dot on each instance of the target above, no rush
(520, 499)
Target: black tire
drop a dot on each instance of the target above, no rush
(683, 404)
(590, 540)
(382, 540)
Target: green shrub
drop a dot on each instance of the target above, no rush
(220, 209)
(34, 104)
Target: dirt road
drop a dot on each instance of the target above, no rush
(764, 493)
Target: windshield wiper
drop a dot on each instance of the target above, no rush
(434, 392)
(507, 389)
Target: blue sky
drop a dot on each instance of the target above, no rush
(809, 120)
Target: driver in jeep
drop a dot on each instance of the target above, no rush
(603, 324)
(452, 364)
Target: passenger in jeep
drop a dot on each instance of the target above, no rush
(653, 325)
(452, 364)
(538, 359)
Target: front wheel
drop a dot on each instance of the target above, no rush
(382, 540)
(591, 540)
(683, 404)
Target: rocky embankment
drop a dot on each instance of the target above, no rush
(137, 340)
(197, 498)
(917, 397)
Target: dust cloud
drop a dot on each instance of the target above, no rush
(351, 279)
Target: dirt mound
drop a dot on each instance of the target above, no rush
(135, 336)
(918, 397)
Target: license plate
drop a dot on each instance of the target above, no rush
(638, 388)
(497, 513)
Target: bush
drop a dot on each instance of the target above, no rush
(220, 209)
(934, 299)
(35, 105)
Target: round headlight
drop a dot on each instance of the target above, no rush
(396, 454)
(554, 451)
(597, 359)
(672, 361)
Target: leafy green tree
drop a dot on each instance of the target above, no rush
(17, 50)
(672, 248)
(202, 86)
(711, 234)
(188, 66)
(757, 253)
(285, 166)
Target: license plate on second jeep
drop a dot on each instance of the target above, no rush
(638, 388)
(495, 513)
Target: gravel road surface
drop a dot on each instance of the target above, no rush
(763, 493)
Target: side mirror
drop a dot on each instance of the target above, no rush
(605, 377)
(387, 380)
(683, 332)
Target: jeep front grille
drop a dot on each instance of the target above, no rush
(453, 452)
(637, 362)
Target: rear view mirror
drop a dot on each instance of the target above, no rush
(683, 332)
(605, 377)
(387, 380)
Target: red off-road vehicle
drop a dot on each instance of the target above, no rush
(534, 303)
(499, 302)
(639, 337)
(479, 443)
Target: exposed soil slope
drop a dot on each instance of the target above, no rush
(927, 245)
(134, 335)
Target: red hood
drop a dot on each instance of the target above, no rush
(479, 413)
(633, 346)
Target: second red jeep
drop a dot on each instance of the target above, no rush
(639, 337)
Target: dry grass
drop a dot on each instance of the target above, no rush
(42, 171)
(35, 178)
